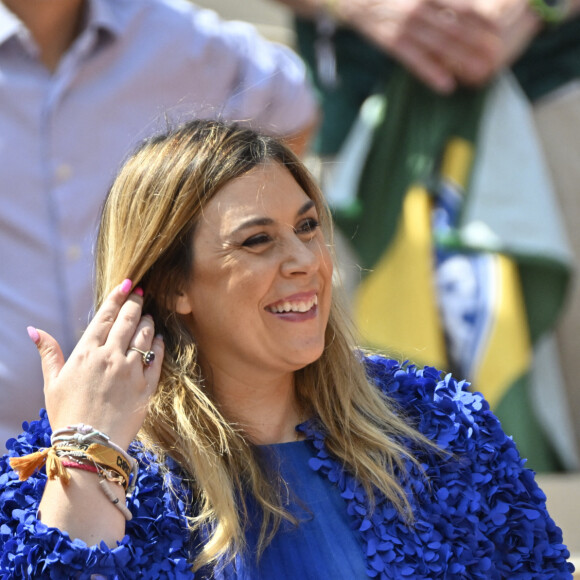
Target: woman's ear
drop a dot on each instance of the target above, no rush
(182, 304)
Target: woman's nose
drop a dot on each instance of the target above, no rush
(300, 257)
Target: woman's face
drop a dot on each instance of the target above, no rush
(259, 297)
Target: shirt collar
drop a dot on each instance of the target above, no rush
(106, 15)
(9, 24)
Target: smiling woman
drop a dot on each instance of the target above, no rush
(261, 442)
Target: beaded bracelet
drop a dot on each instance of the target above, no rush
(103, 483)
(97, 454)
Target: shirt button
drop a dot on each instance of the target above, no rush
(63, 172)
(73, 253)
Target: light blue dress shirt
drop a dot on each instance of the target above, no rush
(63, 136)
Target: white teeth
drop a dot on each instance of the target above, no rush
(294, 306)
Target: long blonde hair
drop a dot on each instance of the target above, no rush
(146, 235)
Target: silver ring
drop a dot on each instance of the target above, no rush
(146, 356)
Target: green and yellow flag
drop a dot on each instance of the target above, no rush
(464, 261)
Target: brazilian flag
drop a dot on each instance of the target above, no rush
(464, 263)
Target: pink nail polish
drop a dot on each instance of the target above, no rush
(33, 333)
(126, 286)
(138, 291)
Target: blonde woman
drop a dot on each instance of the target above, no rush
(219, 388)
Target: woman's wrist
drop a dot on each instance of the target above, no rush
(81, 509)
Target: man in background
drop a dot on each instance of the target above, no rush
(81, 83)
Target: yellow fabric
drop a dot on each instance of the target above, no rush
(457, 161)
(508, 352)
(395, 305)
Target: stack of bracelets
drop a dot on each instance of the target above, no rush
(83, 447)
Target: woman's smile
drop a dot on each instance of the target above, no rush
(296, 308)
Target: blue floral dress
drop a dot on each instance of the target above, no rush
(478, 515)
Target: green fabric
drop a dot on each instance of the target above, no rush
(360, 66)
(552, 60)
(519, 421)
(544, 286)
(406, 149)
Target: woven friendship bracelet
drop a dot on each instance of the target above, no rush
(83, 436)
(88, 449)
(69, 463)
(99, 455)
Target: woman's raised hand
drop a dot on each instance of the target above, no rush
(104, 383)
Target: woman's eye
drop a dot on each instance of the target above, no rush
(308, 226)
(256, 240)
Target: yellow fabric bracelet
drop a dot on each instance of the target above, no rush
(103, 456)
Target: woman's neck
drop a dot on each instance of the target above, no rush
(267, 410)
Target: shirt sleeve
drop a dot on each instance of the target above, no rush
(156, 544)
(270, 90)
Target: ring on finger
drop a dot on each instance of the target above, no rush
(147, 356)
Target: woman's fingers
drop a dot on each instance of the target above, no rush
(142, 340)
(103, 321)
(51, 356)
(117, 320)
(153, 371)
(147, 349)
(127, 323)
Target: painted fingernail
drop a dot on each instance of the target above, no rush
(33, 333)
(126, 286)
(138, 291)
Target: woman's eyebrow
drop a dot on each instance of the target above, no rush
(266, 221)
(307, 206)
(259, 221)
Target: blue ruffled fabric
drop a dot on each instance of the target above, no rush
(477, 511)
(156, 545)
(478, 515)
